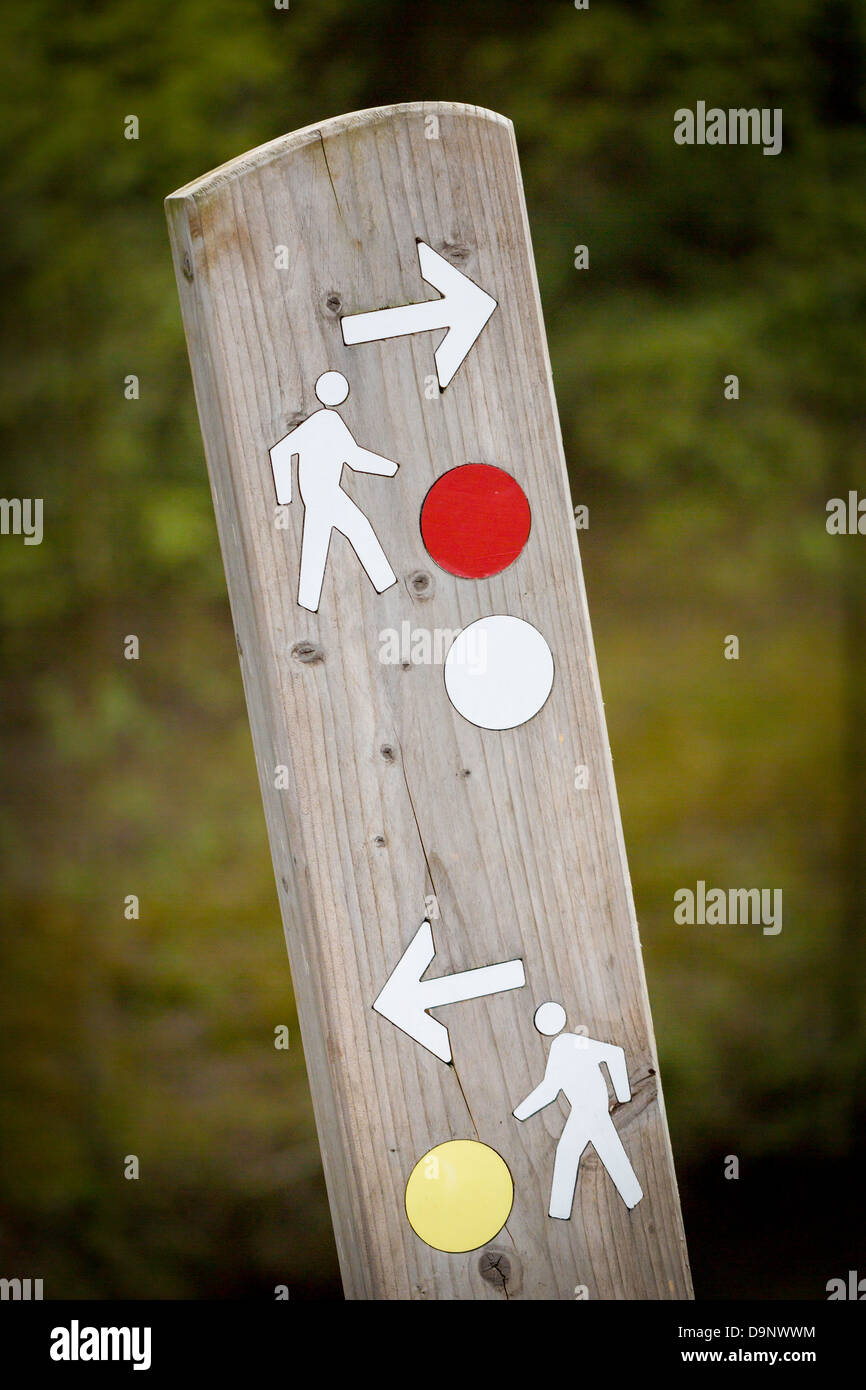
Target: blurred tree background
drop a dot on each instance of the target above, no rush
(707, 517)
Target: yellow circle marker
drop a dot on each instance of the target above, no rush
(459, 1196)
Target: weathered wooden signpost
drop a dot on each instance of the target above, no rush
(373, 384)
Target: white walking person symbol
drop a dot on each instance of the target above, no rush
(574, 1067)
(324, 443)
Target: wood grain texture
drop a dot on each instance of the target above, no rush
(392, 795)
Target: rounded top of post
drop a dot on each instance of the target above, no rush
(322, 130)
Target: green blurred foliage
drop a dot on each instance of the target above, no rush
(706, 517)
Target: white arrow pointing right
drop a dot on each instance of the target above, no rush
(406, 997)
(463, 309)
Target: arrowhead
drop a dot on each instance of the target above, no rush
(401, 1001)
(469, 307)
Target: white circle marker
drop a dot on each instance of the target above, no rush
(498, 672)
(332, 388)
(550, 1018)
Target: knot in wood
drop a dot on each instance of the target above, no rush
(307, 652)
(420, 584)
(494, 1266)
(454, 250)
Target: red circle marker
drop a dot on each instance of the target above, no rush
(475, 520)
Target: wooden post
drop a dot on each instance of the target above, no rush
(405, 813)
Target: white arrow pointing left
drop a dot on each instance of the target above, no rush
(406, 997)
(463, 309)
